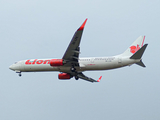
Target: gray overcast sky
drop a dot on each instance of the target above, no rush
(44, 28)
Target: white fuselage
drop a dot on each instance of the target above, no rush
(85, 64)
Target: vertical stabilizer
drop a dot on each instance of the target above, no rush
(135, 46)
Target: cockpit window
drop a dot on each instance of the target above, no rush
(15, 62)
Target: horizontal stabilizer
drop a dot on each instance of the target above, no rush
(141, 64)
(139, 53)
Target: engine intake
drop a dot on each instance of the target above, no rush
(63, 76)
(56, 62)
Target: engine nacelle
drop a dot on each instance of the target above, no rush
(63, 76)
(56, 62)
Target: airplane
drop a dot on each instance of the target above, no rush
(71, 65)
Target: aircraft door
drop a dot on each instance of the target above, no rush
(92, 60)
(120, 61)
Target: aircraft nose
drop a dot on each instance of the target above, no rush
(11, 67)
(14, 67)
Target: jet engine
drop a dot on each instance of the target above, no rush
(64, 76)
(56, 62)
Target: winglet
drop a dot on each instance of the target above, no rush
(99, 79)
(82, 26)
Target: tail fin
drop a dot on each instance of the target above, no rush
(139, 54)
(135, 46)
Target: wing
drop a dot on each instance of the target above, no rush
(71, 55)
(82, 76)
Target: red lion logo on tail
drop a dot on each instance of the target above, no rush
(134, 49)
